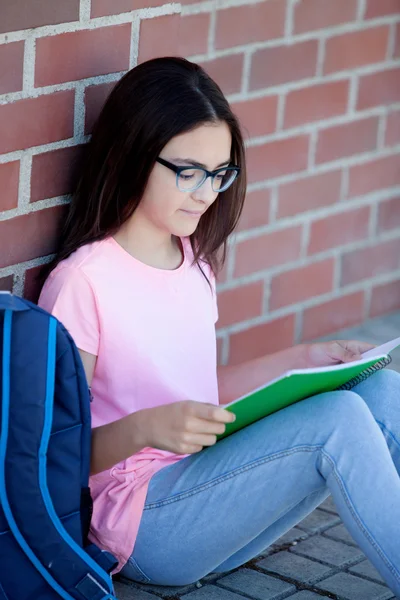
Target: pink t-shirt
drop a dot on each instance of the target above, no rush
(153, 333)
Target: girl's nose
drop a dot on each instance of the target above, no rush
(205, 192)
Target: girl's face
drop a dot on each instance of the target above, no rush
(163, 205)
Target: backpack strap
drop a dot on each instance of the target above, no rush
(64, 565)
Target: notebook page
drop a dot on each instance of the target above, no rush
(383, 349)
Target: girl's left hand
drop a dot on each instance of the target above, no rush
(335, 352)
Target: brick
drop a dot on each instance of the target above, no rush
(268, 250)
(90, 52)
(389, 214)
(356, 49)
(374, 175)
(55, 173)
(385, 298)
(220, 342)
(19, 14)
(283, 64)
(6, 283)
(95, 98)
(319, 14)
(353, 587)
(242, 303)
(301, 284)
(256, 585)
(9, 183)
(37, 234)
(255, 211)
(348, 139)
(294, 567)
(381, 8)
(327, 318)
(105, 8)
(315, 103)
(36, 121)
(392, 135)
(397, 42)
(193, 34)
(250, 23)
(222, 276)
(32, 284)
(258, 116)
(366, 263)
(226, 71)
(339, 229)
(153, 40)
(11, 67)
(277, 158)
(262, 339)
(309, 193)
(379, 89)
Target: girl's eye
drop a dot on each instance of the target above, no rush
(187, 175)
(220, 176)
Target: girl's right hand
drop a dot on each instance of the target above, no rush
(181, 427)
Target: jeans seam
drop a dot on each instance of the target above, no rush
(390, 434)
(229, 475)
(356, 516)
(134, 564)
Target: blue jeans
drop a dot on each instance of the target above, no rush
(217, 509)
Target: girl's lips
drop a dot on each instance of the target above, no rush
(192, 213)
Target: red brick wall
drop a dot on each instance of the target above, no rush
(316, 84)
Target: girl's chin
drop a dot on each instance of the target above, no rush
(185, 229)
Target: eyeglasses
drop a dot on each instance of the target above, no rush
(189, 179)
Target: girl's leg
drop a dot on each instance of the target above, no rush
(224, 505)
(382, 395)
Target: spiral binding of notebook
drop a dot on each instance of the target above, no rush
(380, 364)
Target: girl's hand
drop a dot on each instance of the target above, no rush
(181, 427)
(332, 353)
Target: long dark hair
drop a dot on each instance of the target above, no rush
(152, 103)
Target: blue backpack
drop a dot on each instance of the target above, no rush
(45, 436)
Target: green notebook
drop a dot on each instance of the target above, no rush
(298, 384)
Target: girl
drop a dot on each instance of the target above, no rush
(161, 190)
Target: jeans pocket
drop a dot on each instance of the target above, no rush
(131, 570)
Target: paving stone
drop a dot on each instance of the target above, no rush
(296, 567)
(127, 592)
(159, 590)
(328, 505)
(306, 595)
(328, 551)
(342, 534)
(212, 592)
(257, 585)
(350, 587)
(317, 521)
(288, 537)
(367, 569)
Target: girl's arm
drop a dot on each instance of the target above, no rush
(182, 427)
(113, 442)
(236, 380)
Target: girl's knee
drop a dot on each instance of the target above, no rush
(387, 379)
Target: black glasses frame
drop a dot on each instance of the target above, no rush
(178, 171)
